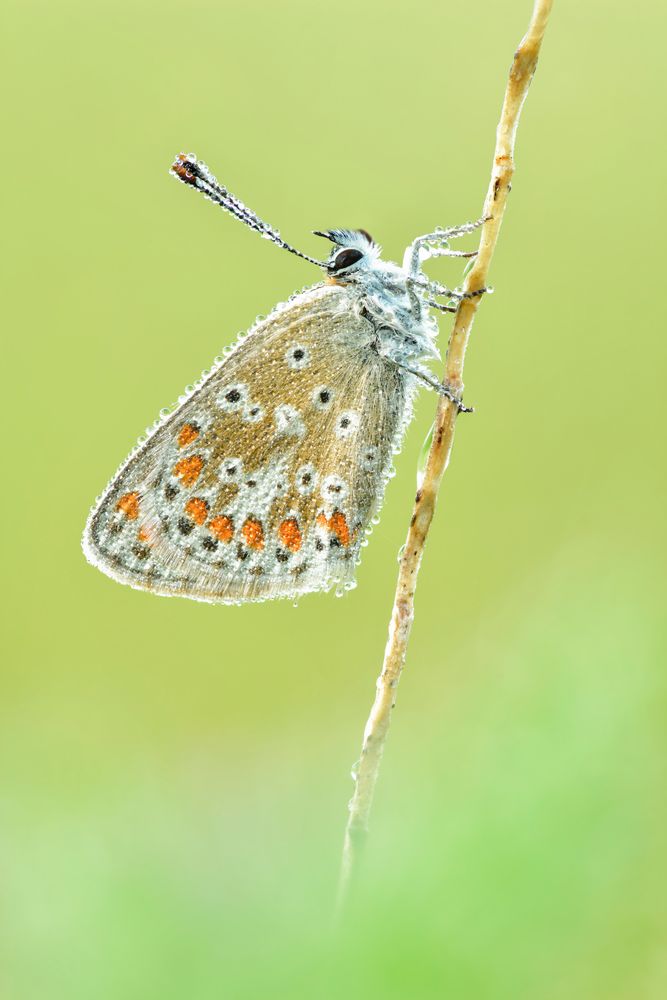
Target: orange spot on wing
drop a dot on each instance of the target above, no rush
(129, 505)
(187, 434)
(143, 535)
(222, 527)
(188, 469)
(337, 525)
(197, 509)
(289, 534)
(253, 533)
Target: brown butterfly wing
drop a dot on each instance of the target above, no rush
(263, 481)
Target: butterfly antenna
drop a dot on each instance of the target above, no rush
(187, 168)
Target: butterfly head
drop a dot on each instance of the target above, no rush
(353, 252)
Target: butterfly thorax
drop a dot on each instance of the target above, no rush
(403, 328)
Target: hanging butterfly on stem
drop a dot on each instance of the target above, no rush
(264, 480)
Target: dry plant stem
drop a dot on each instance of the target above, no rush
(375, 733)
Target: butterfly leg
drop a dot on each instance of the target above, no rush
(415, 302)
(455, 293)
(435, 245)
(434, 288)
(425, 376)
(446, 252)
(441, 307)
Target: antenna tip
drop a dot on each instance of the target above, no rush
(184, 168)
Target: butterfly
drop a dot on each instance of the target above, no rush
(267, 475)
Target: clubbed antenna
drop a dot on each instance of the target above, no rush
(187, 168)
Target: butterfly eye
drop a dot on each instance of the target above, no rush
(345, 259)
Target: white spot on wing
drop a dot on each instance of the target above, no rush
(306, 478)
(231, 470)
(369, 458)
(297, 357)
(323, 397)
(347, 424)
(253, 413)
(288, 421)
(334, 488)
(233, 397)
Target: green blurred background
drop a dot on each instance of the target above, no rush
(174, 776)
